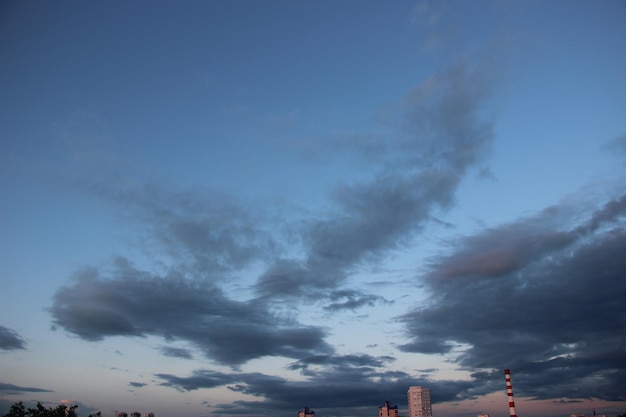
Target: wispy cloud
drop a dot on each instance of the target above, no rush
(15, 389)
(428, 20)
(438, 135)
(346, 299)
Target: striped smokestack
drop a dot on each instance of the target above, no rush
(509, 392)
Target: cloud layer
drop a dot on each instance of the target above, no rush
(536, 295)
(541, 295)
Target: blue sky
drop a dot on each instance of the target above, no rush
(245, 208)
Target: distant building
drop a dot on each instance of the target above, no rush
(388, 410)
(419, 402)
(307, 412)
(483, 415)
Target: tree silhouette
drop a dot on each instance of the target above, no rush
(19, 410)
(16, 410)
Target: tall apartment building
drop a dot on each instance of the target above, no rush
(419, 402)
(388, 410)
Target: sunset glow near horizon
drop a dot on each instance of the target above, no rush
(238, 208)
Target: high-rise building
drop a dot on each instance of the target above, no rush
(388, 410)
(419, 402)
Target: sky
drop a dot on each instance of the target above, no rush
(240, 208)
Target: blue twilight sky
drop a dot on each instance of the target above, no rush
(243, 208)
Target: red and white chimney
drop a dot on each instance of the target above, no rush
(509, 392)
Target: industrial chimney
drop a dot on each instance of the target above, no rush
(509, 392)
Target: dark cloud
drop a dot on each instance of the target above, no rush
(14, 389)
(542, 296)
(10, 340)
(135, 303)
(176, 352)
(348, 385)
(137, 384)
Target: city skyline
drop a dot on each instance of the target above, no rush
(241, 208)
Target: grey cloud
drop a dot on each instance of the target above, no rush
(15, 389)
(542, 296)
(137, 384)
(437, 135)
(176, 352)
(10, 340)
(289, 277)
(135, 303)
